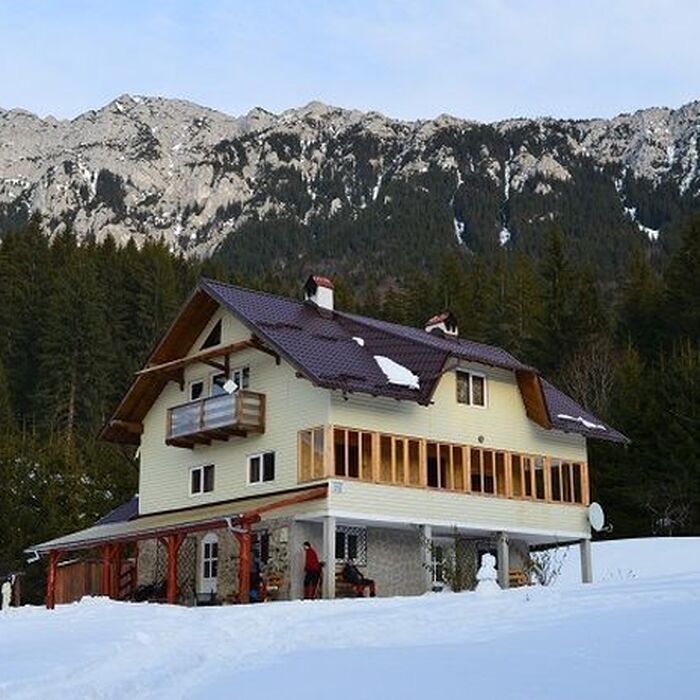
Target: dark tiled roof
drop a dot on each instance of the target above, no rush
(324, 347)
(560, 404)
(123, 513)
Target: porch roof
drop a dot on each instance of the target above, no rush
(187, 520)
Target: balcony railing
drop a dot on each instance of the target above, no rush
(216, 418)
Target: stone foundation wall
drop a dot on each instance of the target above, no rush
(394, 561)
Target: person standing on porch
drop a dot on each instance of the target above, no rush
(312, 571)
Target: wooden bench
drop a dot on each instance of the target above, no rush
(518, 578)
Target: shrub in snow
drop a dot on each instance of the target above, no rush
(545, 566)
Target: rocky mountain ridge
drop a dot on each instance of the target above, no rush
(144, 167)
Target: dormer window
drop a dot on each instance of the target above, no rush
(214, 337)
(471, 388)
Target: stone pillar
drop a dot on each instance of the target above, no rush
(503, 560)
(586, 561)
(426, 535)
(296, 562)
(329, 556)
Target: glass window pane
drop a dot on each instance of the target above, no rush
(217, 384)
(196, 390)
(318, 455)
(208, 478)
(475, 458)
(339, 544)
(433, 476)
(339, 448)
(463, 387)
(385, 458)
(367, 455)
(305, 468)
(353, 454)
(196, 485)
(269, 466)
(254, 470)
(478, 391)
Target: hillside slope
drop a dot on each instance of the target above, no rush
(625, 637)
(324, 182)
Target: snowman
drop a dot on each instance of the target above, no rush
(6, 594)
(487, 576)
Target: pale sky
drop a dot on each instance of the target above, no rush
(477, 59)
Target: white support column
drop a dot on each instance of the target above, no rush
(329, 556)
(503, 560)
(296, 562)
(426, 535)
(586, 561)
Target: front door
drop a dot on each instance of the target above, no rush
(209, 565)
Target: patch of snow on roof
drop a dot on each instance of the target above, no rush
(359, 341)
(585, 423)
(396, 373)
(504, 236)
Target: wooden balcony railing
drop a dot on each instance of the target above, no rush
(215, 418)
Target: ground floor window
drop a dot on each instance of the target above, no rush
(210, 562)
(351, 543)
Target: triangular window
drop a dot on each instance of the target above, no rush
(214, 337)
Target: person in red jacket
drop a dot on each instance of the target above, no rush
(312, 571)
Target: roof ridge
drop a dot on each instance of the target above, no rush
(238, 287)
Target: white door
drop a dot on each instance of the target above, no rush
(209, 566)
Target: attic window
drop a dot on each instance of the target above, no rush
(214, 337)
(471, 388)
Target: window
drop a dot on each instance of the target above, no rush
(240, 376)
(260, 547)
(351, 543)
(214, 337)
(201, 479)
(196, 389)
(439, 557)
(471, 388)
(210, 563)
(352, 453)
(311, 454)
(261, 468)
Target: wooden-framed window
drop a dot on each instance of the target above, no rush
(351, 544)
(201, 479)
(261, 467)
(471, 388)
(412, 461)
(311, 454)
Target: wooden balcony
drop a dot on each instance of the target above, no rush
(215, 418)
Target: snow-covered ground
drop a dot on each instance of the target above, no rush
(633, 634)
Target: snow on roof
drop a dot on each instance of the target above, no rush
(396, 373)
(359, 341)
(580, 419)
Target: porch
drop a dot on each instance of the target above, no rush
(116, 552)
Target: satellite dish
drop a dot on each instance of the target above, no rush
(230, 386)
(596, 517)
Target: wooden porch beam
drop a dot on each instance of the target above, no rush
(203, 356)
(54, 556)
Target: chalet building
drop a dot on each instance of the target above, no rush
(262, 422)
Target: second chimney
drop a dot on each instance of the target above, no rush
(443, 324)
(319, 291)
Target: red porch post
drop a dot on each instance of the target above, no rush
(116, 570)
(54, 556)
(244, 547)
(172, 544)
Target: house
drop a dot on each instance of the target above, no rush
(262, 422)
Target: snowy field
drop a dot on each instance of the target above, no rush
(633, 634)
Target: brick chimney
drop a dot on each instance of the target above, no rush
(443, 323)
(319, 291)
